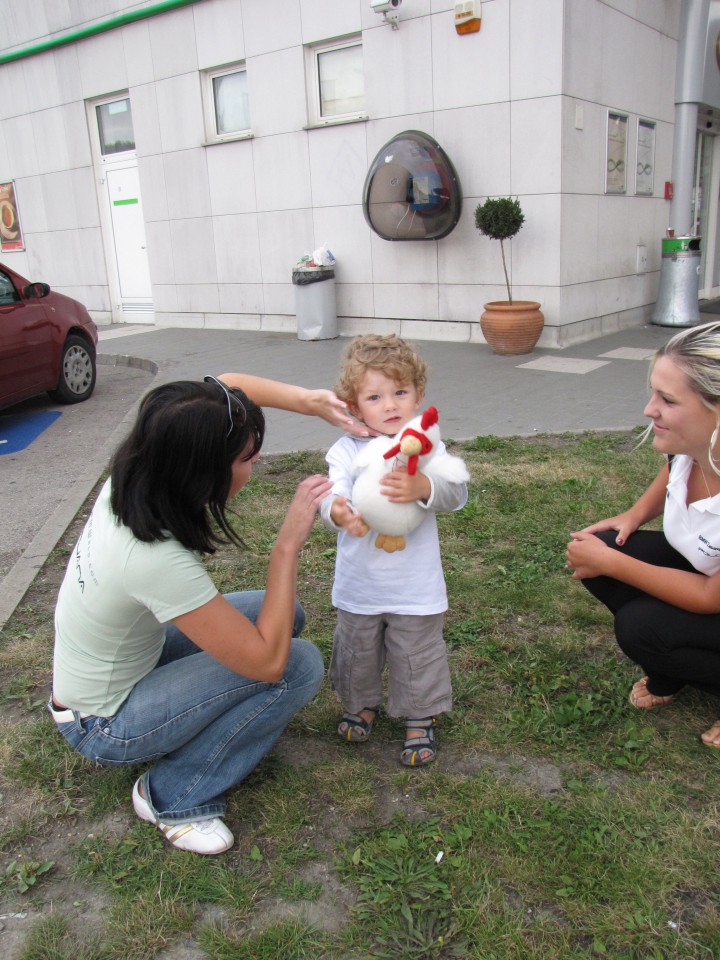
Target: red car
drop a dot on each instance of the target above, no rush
(47, 343)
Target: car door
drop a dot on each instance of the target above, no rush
(26, 344)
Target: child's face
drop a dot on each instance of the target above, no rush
(385, 405)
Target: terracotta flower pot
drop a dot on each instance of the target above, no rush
(512, 328)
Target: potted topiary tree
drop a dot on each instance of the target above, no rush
(509, 326)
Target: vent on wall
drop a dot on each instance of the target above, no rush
(138, 307)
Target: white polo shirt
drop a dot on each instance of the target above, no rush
(694, 530)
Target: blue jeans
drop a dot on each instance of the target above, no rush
(204, 726)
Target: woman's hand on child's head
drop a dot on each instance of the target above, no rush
(343, 515)
(329, 407)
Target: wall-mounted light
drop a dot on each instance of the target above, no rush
(389, 10)
(467, 16)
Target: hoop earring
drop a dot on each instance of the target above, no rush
(713, 440)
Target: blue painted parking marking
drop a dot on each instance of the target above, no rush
(18, 430)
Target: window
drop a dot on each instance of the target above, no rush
(8, 293)
(616, 174)
(644, 181)
(336, 85)
(227, 112)
(114, 120)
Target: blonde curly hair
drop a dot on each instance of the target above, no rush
(389, 355)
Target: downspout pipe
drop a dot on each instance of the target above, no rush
(677, 302)
(689, 78)
(101, 27)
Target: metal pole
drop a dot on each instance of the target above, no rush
(688, 93)
(683, 168)
(677, 302)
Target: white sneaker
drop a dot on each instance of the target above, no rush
(201, 836)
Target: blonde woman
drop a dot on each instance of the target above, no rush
(663, 588)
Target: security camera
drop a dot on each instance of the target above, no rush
(384, 6)
(389, 10)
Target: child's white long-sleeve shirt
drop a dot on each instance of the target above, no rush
(371, 581)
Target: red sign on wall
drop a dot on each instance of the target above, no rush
(10, 233)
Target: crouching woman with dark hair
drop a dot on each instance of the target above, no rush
(153, 665)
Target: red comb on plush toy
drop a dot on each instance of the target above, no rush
(415, 444)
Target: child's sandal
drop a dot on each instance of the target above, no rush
(354, 728)
(417, 751)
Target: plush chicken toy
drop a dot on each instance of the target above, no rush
(415, 446)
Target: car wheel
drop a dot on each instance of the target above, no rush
(77, 371)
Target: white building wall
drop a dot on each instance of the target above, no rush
(619, 55)
(520, 108)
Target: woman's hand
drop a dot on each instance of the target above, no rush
(329, 407)
(287, 396)
(587, 555)
(301, 513)
(624, 523)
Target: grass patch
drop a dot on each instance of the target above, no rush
(290, 940)
(558, 822)
(52, 939)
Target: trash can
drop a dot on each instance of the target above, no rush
(315, 302)
(677, 303)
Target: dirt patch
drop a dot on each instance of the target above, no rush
(329, 912)
(82, 905)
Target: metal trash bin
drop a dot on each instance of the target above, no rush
(677, 302)
(315, 302)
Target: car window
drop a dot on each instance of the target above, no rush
(8, 293)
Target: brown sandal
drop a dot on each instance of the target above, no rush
(640, 692)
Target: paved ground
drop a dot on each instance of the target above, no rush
(596, 385)
(593, 386)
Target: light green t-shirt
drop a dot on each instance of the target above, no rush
(114, 603)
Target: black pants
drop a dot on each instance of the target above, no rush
(675, 648)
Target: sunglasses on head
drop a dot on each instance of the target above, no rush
(240, 411)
